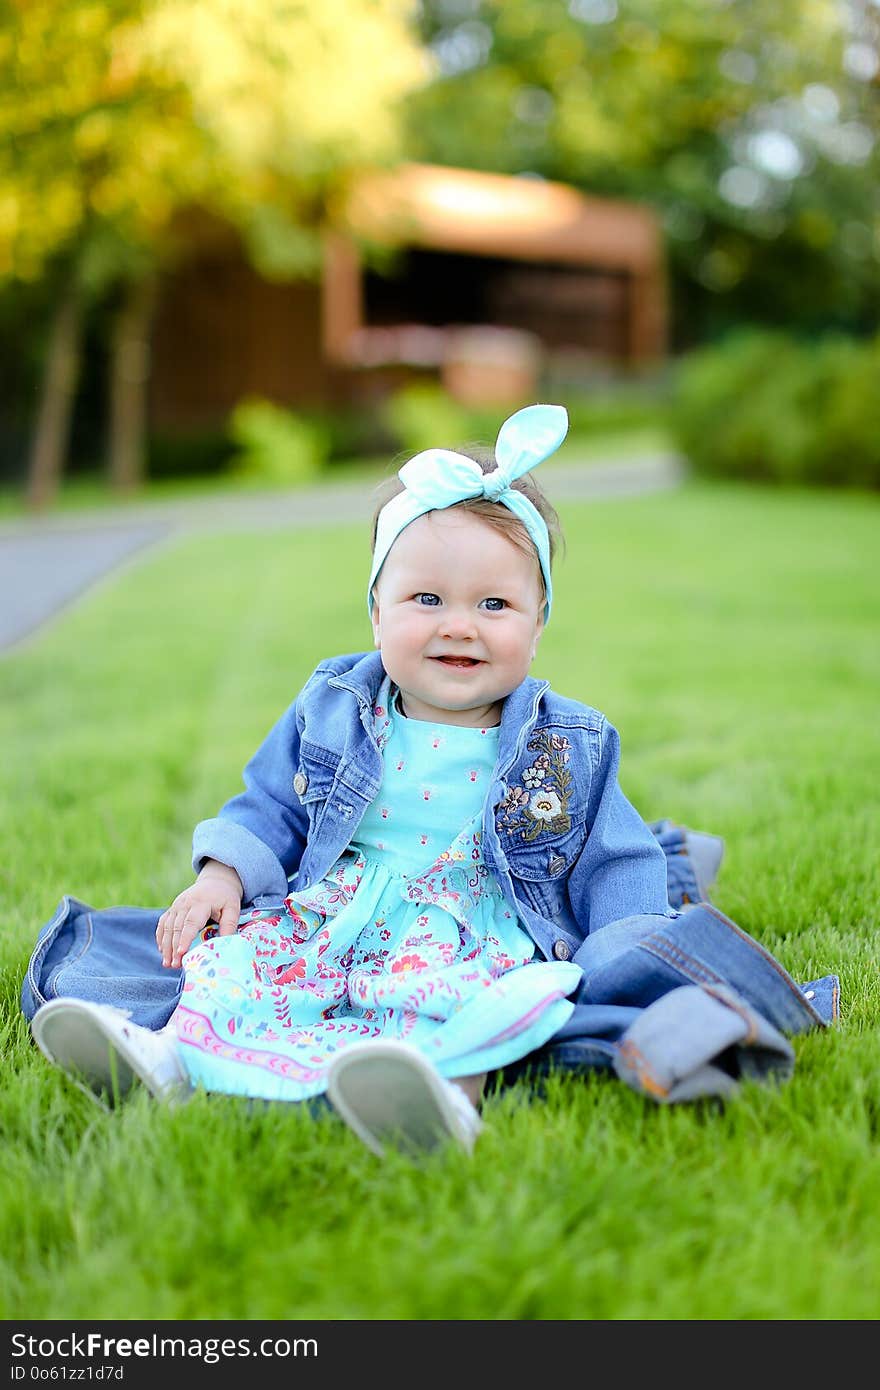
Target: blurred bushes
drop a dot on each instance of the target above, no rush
(276, 445)
(768, 407)
(267, 443)
(196, 454)
(616, 407)
(424, 416)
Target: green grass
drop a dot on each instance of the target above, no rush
(731, 635)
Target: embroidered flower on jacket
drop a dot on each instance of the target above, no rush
(545, 805)
(540, 804)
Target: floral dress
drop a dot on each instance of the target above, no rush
(408, 937)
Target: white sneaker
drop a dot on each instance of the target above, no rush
(103, 1051)
(389, 1093)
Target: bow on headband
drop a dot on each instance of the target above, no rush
(439, 478)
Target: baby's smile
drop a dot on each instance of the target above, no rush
(462, 663)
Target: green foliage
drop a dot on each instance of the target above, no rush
(614, 407)
(201, 453)
(749, 128)
(276, 445)
(766, 406)
(424, 416)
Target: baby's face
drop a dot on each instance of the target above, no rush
(458, 609)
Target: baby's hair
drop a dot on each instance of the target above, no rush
(495, 513)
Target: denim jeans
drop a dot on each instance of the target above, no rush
(683, 1007)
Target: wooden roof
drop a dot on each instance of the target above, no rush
(519, 217)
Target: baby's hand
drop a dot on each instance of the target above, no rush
(215, 896)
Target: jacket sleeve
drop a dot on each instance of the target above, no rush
(621, 871)
(261, 832)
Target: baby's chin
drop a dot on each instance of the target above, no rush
(480, 711)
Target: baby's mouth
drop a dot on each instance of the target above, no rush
(463, 662)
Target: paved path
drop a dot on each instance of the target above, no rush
(46, 563)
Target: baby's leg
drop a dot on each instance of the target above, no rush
(472, 1086)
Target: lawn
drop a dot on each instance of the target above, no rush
(731, 635)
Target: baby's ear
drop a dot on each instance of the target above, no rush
(539, 631)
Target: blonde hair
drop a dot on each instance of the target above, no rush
(498, 516)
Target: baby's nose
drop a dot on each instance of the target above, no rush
(458, 623)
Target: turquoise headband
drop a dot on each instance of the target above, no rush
(439, 478)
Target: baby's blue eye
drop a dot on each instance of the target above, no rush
(495, 605)
(427, 600)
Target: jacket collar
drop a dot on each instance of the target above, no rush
(363, 678)
(518, 713)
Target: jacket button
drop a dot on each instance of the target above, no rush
(300, 783)
(561, 950)
(555, 864)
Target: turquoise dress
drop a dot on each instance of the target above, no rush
(407, 937)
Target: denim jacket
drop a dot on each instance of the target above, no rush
(568, 850)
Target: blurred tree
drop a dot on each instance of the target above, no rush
(752, 127)
(118, 117)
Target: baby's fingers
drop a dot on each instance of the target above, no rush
(227, 915)
(168, 923)
(169, 917)
(177, 929)
(186, 928)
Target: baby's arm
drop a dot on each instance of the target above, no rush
(247, 850)
(261, 832)
(621, 871)
(214, 897)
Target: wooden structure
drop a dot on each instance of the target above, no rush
(472, 265)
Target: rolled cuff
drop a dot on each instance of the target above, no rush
(698, 1041)
(260, 870)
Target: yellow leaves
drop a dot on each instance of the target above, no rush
(32, 222)
(90, 22)
(61, 204)
(93, 133)
(10, 216)
(123, 64)
(126, 112)
(289, 84)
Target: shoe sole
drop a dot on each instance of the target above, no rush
(103, 1063)
(389, 1094)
